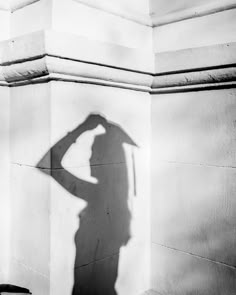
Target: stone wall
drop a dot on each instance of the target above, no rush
(118, 146)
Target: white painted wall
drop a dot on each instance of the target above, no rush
(4, 182)
(30, 191)
(193, 192)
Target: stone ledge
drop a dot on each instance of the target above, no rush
(202, 79)
(195, 69)
(46, 55)
(75, 48)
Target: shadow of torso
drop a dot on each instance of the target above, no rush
(105, 222)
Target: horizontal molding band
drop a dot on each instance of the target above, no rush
(48, 56)
(75, 79)
(203, 10)
(72, 47)
(217, 67)
(227, 74)
(19, 61)
(53, 68)
(50, 68)
(198, 87)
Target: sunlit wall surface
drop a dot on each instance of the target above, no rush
(117, 150)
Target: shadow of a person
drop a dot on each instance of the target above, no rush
(105, 222)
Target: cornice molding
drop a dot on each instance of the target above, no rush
(206, 9)
(49, 56)
(45, 56)
(196, 80)
(195, 69)
(49, 68)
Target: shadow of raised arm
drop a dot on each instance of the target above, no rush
(77, 187)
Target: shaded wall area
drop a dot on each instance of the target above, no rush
(87, 215)
(193, 192)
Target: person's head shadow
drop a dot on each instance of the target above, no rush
(108, 147)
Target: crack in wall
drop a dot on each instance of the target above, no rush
(197, 256)
(63, 168)
(30, 268)
(98, 260)
(196, 164)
